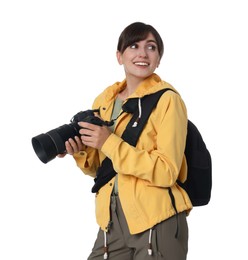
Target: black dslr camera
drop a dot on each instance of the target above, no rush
(47, 146)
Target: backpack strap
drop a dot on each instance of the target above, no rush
(131, 134)
(148, 103)
(173, 202)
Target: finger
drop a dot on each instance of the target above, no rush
(79, 143)
(61, 155)
(73, 145)
(70, 147)
(86, 139)
(86, 132)
(87, 125)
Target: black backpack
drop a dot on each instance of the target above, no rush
(199, 179)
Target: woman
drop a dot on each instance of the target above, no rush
(134, 209)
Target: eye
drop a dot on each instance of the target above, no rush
(152, 47)
(134, 46)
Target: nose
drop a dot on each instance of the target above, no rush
(142, 52)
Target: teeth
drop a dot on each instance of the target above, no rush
(141, 63)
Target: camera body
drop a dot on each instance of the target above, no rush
(89, 117)
(47, 146)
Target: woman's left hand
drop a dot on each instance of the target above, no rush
(94, 135)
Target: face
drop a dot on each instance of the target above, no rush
(141, 58)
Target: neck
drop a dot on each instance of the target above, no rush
(132, 84)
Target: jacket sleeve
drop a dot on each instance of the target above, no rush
(159, 154)
(88, 160)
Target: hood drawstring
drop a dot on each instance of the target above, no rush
(105, 248)
(150, 243)
(140, 113)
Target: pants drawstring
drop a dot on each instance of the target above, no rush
(105, 248)
(150, 242)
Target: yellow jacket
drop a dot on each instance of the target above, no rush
(146, 171)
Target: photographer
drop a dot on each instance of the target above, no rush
(134, 211)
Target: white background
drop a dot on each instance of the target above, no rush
(56, 56)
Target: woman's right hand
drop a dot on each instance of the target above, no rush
(72, 146)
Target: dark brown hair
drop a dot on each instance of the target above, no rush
(136, 32)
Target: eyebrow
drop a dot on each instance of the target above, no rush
(152, 41)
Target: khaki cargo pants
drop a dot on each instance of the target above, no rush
(154, 244)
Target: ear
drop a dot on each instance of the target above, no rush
(119, 57)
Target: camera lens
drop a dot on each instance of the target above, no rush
(47, 146)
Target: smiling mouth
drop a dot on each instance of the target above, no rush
(141, 63)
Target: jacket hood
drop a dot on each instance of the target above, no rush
(150, 85)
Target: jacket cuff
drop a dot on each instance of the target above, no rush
(110, 145)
